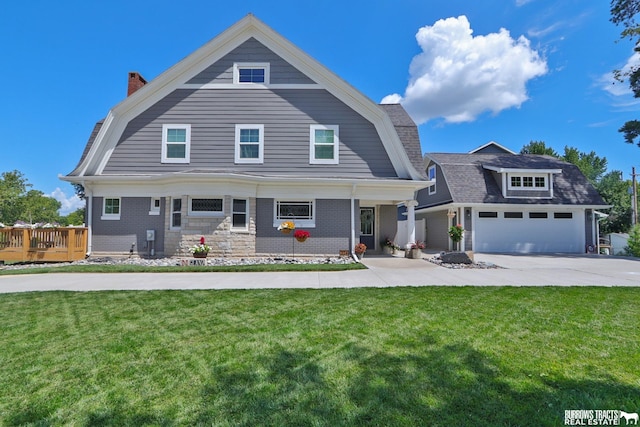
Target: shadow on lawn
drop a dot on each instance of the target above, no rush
(424, 384)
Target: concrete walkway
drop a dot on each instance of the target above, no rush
(518, 270)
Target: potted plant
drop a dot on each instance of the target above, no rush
(389, 247)
(201, 250)
(416, 250)
(286, 226)
(301, 235)
(455, 233)
(360, 249)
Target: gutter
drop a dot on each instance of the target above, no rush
(89, 206)
(353, 224)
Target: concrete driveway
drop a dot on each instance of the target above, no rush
(517, 270)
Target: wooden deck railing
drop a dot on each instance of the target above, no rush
(43, 244)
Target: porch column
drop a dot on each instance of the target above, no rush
(411, 222)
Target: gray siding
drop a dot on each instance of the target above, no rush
(442, 194)
(437, 230)
(331, 234)
(286, 115)
(251, 51)
(116, 236)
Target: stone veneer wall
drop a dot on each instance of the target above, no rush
(217, 231)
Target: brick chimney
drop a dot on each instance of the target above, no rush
(136, 81)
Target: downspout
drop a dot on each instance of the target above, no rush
(353, 224)
(89, 206)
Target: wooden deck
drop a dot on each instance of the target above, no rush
(43, 244)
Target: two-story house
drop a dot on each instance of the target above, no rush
(244, 133)
(509, 202)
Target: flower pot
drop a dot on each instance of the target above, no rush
(286, 230)
(415, 253)
(200, 254)
(360, 254)
(301, 239)
(387, 250)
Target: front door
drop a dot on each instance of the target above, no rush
(367, 228)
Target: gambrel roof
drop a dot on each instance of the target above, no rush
(108, 131)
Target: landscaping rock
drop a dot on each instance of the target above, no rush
(457, 257)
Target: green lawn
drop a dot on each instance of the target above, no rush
(400, 356)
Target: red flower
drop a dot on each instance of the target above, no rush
(202, 240)
(301, 234)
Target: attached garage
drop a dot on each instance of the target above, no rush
(529, 231)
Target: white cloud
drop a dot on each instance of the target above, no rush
(458, 76)
(69, 204)
(615, 87)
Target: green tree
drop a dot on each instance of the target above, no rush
(615, 192)
(19, 202)
(592, 166)
(35, 207)
(623, 12)
(13, 185)
(538, 147)
(74, 218)
(634, 241)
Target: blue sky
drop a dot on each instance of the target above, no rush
(511, 71)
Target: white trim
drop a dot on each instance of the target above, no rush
(187, 143)
(495, 144)
(246, 213)
(312, 145)
(435, 170)
(521, 170)
(260, 158)
(251, 65)
(111, 216)
(153, 209)
(191, 212)
(214, 86)
(213, 51)
(308, 223)
(533, 187)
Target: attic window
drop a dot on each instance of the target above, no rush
(251, 73)
(528, 182)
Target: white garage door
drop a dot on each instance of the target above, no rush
(529, 231)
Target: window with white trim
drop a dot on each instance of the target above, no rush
(154, 209)
(528, 182)
(325, 144)
(251, 73)
(301, 212)
(249, 144)
(431, 172)
(201, 206)
(240, 214)
(176, 143)
(176, 213)
(111, 208)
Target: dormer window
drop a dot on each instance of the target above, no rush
(528, 182)
(251, 73)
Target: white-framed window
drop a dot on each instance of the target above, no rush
(154, 209)
(111, 207)
(249, 143)
(251, 73)
(528, 182)
(302, 212)
(176, 213)
(431, 172)
(240, 214)
(206, 206)
(176, 143)
(324, 145)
